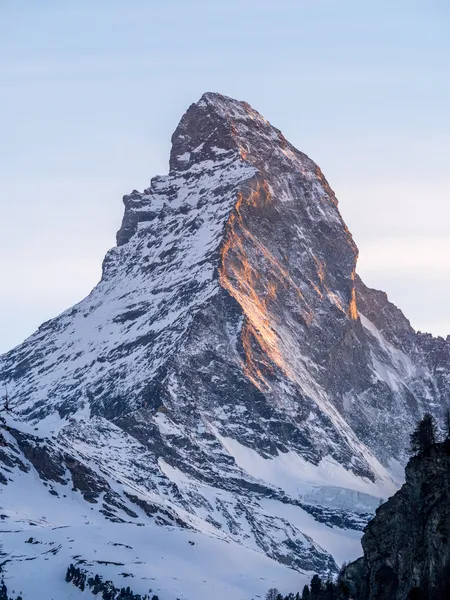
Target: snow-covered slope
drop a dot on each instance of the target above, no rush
(47, 525)
(230, 375)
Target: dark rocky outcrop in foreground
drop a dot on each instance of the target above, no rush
(407, 544)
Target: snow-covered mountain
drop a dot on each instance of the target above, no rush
(229, 382)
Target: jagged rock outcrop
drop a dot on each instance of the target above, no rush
(407, 544)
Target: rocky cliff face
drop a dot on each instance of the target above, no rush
(407, 544)
(230, 364)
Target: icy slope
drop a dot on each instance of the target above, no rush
(230, 373)
(99, 504)
(41, 534)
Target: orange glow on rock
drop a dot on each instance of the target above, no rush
(243, 282)
(272, 290)
(242, 252)
(320, 269)
(352, 309)
(243, 152)
(335, 299)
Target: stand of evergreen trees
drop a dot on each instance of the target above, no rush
(426, 433)
(316, 590)
(107, 589)
(4, 592)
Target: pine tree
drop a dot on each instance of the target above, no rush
(3, 591)
(272, 594)
(330, 589)
(447, 424)
(316, 586)
(97, 585)
(341, 584)
(82, 582)
(424, 435)
(429, 430)
(305, 593)
(345, 591)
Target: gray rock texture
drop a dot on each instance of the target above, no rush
(407, 544)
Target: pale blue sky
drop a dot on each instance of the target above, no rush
(91, 92)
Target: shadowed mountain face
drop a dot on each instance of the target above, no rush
(407, 544)
(229, 331)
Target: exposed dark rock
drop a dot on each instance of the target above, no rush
(46, 461)
(113, 500)
(84, 479)
(407, 544)
(160, 514)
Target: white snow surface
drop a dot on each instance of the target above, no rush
(42, 533)
(168, 562)
(303, 479)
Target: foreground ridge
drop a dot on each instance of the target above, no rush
(407, 544)
(230, 375)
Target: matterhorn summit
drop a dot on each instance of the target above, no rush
(226, 408)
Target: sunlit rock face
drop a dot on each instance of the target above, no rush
(229, 315)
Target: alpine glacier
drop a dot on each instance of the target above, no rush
(230, 399)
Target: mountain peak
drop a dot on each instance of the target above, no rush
(229, 367)
(230, 108)
(220, 100)
(209, 128)
(217, 124)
